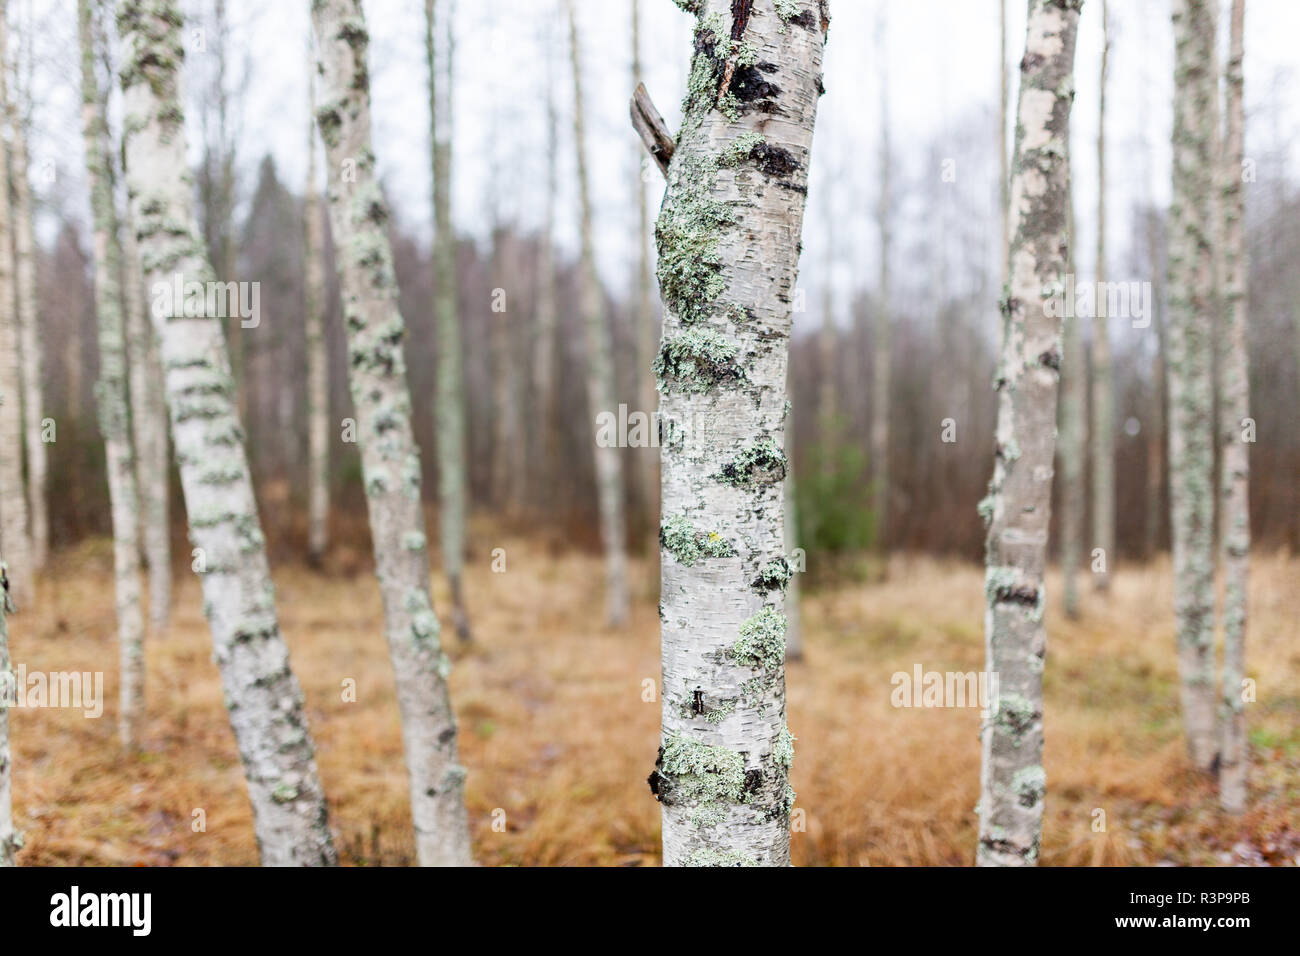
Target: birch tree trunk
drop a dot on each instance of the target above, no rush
(29, 336)
(149, 430)
(600, 367)
(544, 319)
(389, 457)
(1074, 404)
(111, 394)
(318, 423)
(729, 236)
(1234, 407)
(882, 347)
(1156, 438)
(453, 481)
(1191, 387)
(1103, 379)
(647, 333)
(263, 696)
(13, 503)
(1018, 507)
(10, 839)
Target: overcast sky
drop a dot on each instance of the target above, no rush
(941, 58)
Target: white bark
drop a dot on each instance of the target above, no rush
(1234, 407)
(600, 367)
(29, 338)
(262, 695)
(13, 502)
(318, 425)
(1103, 379)
(149, 430)
(1074, 414)
(389, 457)
(453, 477)
(728, 236)
(111, 393)
(1018, 507)
(1191, 386)
(10, 839)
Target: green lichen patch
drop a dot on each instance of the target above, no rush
(691, 771)
(762, 640)
(688, 234)
(783, 749)
(775, 575)
(696, 361)
(680, 538)
(709, 856)
(1016, 714)
(762, 463)
(1029, 785)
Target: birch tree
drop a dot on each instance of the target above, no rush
(1074, 414)
(544, 315)
(646, 321)
(881, 346)
(1234, 407)
(1191, 386)
(599, 365)
(389, 457)
(148, 429)
(318, 424)
(263, 697)
(453, 478)
(13, 502)
(111, 392)
(1017, 509)
(10, 839)
(728, 237)
(1103, 378)
(28, 323)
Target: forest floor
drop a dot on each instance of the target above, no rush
(559, 741)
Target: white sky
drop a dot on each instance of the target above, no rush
(942, 64)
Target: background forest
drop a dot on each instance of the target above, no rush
(548, 226)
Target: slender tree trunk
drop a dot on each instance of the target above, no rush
(1156, 437)
(728, 236)
(318, 413)
(10, 839)
(389, 457)
(112, 394)
(13, 503)
(600, 367)
(1103, 379)
(1191, 386)
(1234, 397)
(647, 335)
(1018, 508)
(1004, 99)
(1074, 403)
(880, 391)
(453, 482)
(263, 696)
(544, 318)
(29, 339)
(149, 430)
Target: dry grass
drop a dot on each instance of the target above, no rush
(556, 734)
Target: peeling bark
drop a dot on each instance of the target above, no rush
(262, 695)
(1191, 386)
(1234, 407)
(1018, 507)
(389, 457)
(728, 236)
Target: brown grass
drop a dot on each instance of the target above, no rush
(556, 735)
